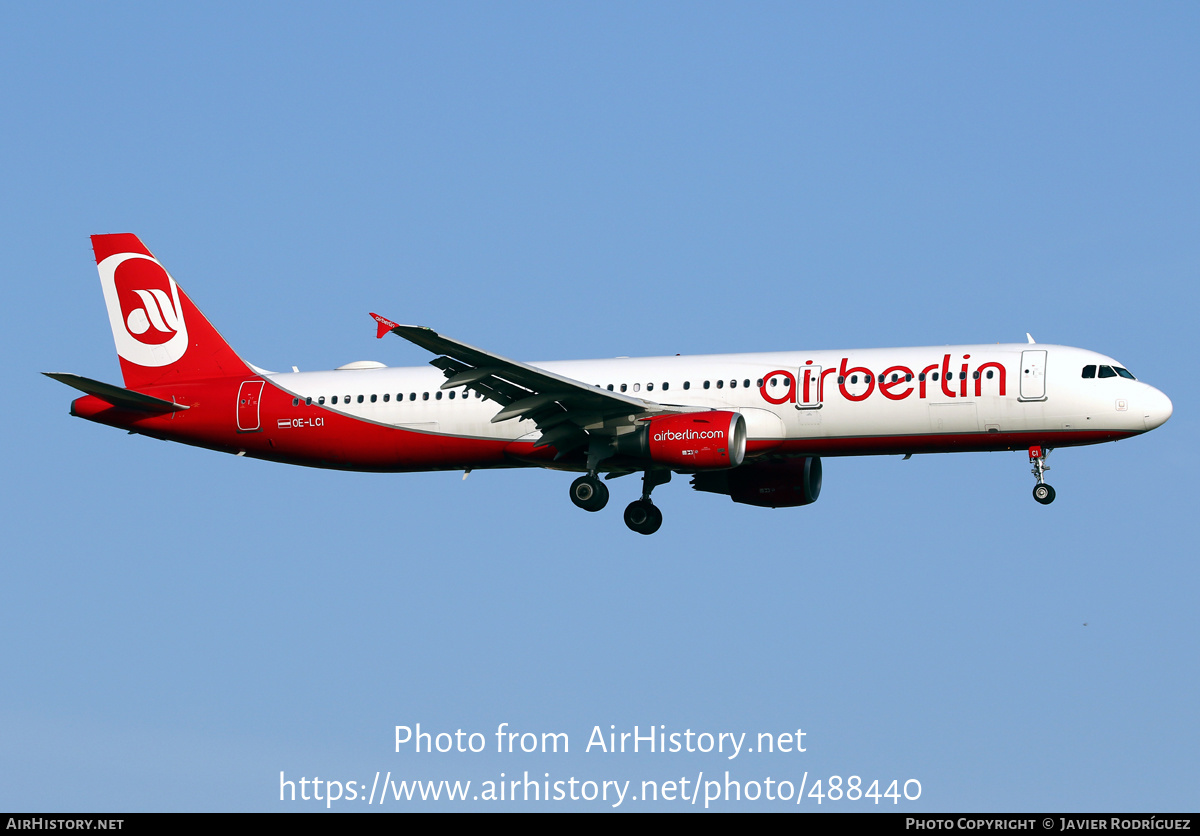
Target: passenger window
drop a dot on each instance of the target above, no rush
(1106, 371)
(451, 394)
(412, 396)
(610, 387)
(321, 400)
(623, 387)
(990, 373)
(687, 384)
(975, 375)
(1089, 371)
(733, 384)
(746, 383)
(334, 399)
(706, 384)
(908, 377)
(934, 376)
(921, 376)
(438, 394)
(666, 386)
(424, 396)
(295, 401)
(854, 378)
(759, 384)
(637, 387)
(374, 399)
(841, 380)
(720, 384)
(649, 387)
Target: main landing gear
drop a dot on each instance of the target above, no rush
(641, 515)
(589, 493)
(1042, 492)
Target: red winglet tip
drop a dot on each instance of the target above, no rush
(384, 325)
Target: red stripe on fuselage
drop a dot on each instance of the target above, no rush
(314, 436)
(317, 436)
(977, 442)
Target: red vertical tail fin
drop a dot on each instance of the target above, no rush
(160, 335)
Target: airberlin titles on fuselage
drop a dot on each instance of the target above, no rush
(894, 382)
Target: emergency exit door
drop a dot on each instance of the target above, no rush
(808, 395)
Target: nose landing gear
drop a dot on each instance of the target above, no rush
(1042, 492)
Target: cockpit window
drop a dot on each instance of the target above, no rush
(1108, 371)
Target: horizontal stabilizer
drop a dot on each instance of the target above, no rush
(115, 395)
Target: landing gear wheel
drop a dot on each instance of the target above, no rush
(1043, 493)
(643, 516)
(589, 493)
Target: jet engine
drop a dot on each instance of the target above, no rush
(689, 441)
(786, 484)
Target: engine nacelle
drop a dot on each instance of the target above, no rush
(712, 440)
(786, 484)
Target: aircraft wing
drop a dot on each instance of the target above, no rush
(562, 408)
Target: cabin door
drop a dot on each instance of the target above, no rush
(1033, 375)
(249, 395)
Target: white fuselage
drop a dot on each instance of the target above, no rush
(811, 396)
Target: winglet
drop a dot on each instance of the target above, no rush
(385, 325)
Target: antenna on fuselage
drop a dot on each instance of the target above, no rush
(1029, 337)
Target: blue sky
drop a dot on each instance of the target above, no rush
(590, 180)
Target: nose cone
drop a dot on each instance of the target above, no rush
(1157, 409)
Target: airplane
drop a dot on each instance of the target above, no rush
(753, 427)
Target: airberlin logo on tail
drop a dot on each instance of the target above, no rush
(157, 312)
(143, 309)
